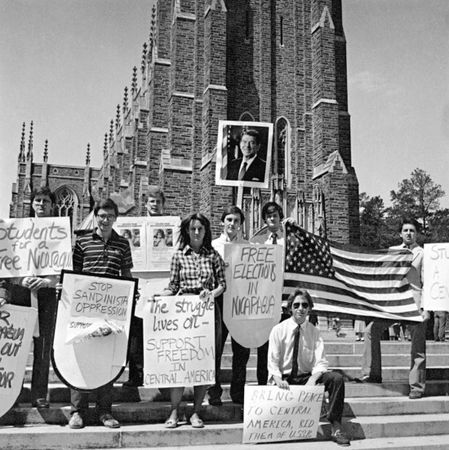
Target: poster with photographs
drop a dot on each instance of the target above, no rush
(152, 240)
(244, 153)
(134, 230)
(162, 235)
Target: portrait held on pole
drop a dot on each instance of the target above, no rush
(243, 153)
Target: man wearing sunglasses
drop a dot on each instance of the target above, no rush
(296, 356)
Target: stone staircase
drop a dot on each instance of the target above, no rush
(375, 415)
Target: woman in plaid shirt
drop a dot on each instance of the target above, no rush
(196, 268)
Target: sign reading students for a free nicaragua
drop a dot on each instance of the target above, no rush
(34, 246)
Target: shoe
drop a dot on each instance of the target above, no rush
(340, 438)
(108, 421)
(41, 403)
(368, 379)
(196, 422)
(215, 401)
(171, 423)
(76, 421)
(414, 395)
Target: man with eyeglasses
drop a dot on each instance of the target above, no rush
(102, 252)
(296, 356)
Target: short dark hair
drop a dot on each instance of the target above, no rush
(254, 133)
(271, 207)
(299, 293)
(232, 209)
(156, 191)
(44, 190)
(106, 204)
(184, 238)
(410, 221)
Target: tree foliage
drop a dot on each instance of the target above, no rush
(417, 196)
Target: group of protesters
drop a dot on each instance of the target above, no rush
(198, 268)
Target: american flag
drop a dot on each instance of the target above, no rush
(360, 284)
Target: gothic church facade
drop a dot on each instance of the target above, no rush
(280, 61)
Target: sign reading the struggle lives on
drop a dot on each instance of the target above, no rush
(34, 246)
(179, 341)
(92, 329)
(253, 298)
(272, 414)
(436, 277)
(16, 330)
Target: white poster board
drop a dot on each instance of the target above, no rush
(272, 414)
(179, 341)
(34, 246)
(152, 240)
(92, 329)
(436, 277)
(253, 297)
(16, 330)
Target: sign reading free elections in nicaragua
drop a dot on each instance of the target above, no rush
(34, 246)
(253, 298)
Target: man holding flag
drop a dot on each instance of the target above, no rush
(372, 358)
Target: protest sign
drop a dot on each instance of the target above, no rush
(272, 414)
(34, 246)
(179, 341)
(252, 301)
(152, 240)
(16, 330)
(163, 234)
(92, 329)
(436, 277)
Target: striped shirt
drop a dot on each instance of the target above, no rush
(92, 254)
(192, 272)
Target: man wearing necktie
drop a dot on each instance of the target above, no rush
(296, 356)
(372, 357)
(272, 215)
(250, 167)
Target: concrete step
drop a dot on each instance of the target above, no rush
(438, 442)
(60, 393)
(139, 436)
(157, 412)
(356, 348)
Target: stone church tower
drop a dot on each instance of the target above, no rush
(278, 61)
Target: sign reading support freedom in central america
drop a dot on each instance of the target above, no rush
(179, 341)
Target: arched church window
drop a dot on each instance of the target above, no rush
(66, 202)
(281, 155)
(246, 117)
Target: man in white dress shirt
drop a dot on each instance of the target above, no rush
(296, 356)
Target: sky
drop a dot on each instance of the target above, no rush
(64, 64)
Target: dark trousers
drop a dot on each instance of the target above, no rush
(80, 400)
(135, 361)
(372, 357)
(262, 364)
(334, 385)
(47, 305)
(439, 325)
(240, 356)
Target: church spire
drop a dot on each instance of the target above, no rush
(30, 144)
(22, 145)
(134, 82)
(117, 118)
(46, 151)
(88, 155)
(125, 101)
(143, 65)
(105, 146)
